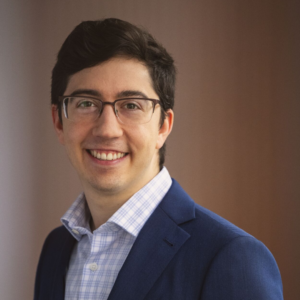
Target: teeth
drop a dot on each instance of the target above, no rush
(109, 156)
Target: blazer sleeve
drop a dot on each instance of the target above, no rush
(243, 269)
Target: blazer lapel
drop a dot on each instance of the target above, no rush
(58, 291)
(157, 243)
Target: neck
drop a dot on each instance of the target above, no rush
(102, 207)
(103, 204)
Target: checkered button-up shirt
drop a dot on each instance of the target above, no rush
(98, 256)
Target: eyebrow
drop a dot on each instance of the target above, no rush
(131, 93)
(87, 92)
(122, 94)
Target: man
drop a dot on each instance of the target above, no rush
(134, 233)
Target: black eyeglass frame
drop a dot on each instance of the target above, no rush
(62, 98)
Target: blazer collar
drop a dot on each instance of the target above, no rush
(157, 243)
(178, 205)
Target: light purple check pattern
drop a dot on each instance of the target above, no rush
(98, 257)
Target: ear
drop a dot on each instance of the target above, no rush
(58, 127)
(165, 129)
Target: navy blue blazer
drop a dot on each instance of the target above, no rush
(184, 252)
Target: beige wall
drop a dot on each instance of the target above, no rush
(235, 146)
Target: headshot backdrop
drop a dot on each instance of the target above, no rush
(235, 146)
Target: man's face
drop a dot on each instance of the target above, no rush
(139, 143)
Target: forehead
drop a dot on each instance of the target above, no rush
(113, 77)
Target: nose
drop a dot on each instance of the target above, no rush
(107, 126)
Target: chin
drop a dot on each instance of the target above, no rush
(111, 185)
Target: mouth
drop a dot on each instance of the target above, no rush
(106, 155)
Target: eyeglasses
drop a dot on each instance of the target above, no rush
(129, 111)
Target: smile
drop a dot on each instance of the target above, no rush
(107, 155)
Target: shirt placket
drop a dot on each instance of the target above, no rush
(97, 271)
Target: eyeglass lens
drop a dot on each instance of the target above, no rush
(128, 111)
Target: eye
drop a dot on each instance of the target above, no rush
(131, 106)
(85, 103)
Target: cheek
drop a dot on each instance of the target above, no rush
(74, 136)
(143, 139)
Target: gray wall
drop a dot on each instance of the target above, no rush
(235, 146)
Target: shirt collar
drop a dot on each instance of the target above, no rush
(131, 216)
(134, 213)
(77, 217)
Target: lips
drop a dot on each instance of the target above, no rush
(107, 155)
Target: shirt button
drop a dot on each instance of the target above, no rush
(75, 231)
(93, 267)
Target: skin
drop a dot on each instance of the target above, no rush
(109, 184)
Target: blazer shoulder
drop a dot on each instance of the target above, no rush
(55, 239)
(58, 233)
(244, 268)
(214, 222)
